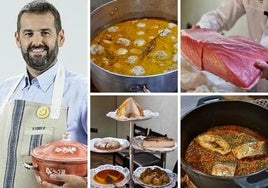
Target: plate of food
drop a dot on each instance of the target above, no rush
(108, 144)
(130, 110)
(109, 176)
(155, 144)
(154, 176)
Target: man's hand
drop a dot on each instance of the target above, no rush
(70, 181)
(196, 27)
(260, 64)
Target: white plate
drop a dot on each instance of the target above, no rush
(123, 145)
(137, 144)
(139, 170)
(147, 115)
(94, 184)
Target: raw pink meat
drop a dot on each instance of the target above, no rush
(231, 58)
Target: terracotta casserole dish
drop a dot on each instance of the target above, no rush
(59, 157)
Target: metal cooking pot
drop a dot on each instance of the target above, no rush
(120, 10)
(223, 112)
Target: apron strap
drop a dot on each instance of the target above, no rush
(57, 93)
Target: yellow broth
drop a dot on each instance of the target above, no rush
(137, 47)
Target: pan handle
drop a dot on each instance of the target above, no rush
(209, 99)
(139, 88)
(252, 181)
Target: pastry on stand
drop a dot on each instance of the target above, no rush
(108, 144)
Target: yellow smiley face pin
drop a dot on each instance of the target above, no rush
(42, 112)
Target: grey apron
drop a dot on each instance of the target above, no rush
(24, 126)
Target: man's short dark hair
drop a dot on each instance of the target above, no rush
(40, 7)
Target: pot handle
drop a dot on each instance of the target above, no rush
(209, 99)
(137, 88)
(252, 181)
(30, 166)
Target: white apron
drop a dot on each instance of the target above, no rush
(25, 125)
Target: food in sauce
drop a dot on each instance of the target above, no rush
(137, 47)
(155, 177)
(101, 176)
(107, 144)
(224, 169)
(214, 143)
(250, 149)
(247, 154)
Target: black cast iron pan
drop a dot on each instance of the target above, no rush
(216, 113)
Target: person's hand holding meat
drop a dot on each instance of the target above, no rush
(263, 65)
(195, 27)
(70, 181)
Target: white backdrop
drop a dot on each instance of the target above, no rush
(74, 22)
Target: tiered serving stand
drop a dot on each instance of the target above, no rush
(147, 115)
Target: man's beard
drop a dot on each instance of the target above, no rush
(41, 63)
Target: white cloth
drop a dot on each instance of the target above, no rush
(196, 81)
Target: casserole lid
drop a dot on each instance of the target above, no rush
(65, 150)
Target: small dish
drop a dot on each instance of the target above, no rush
(123, 145)
(139, 170)
(93, 172)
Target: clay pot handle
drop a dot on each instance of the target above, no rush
(30, 166)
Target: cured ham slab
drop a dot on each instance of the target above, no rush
(231, 58)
